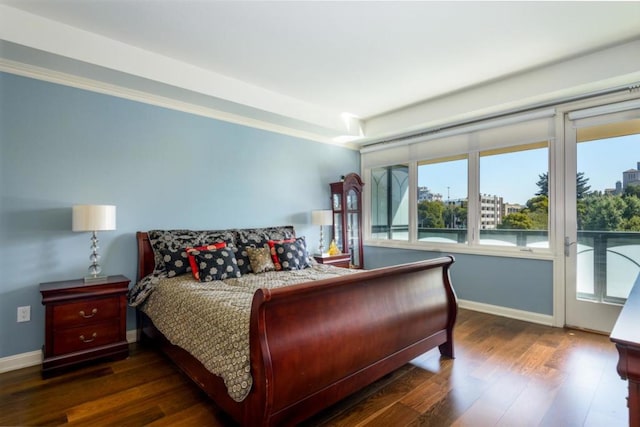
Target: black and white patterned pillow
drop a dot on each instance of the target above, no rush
(219, 264)
(242, 257)
(176, 262)
(178, 239)
(257, 238)
(141, 290)
(293, 255)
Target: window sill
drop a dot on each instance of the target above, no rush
(486, 250)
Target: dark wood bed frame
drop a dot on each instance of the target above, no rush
(315, 343)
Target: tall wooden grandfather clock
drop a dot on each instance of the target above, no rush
(346, 202)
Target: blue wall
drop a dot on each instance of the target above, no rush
(522, 284)
(62, 146)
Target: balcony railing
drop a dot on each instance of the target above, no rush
(608, 262)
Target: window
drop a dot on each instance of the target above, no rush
(442, 200)
(390, 202)
(514, 196)
(472, 186)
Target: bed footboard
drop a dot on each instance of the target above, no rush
(314, 344)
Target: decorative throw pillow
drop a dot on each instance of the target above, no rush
(274, 256)
(242, 256)
(293, 255)
(179, 239)
(176, 261)
(192, 260)
(141, 290)
(169, 240)
(216, 264)
(260, 259)
(257, 238)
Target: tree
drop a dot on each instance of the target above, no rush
(430, 214)
(455, 216)
(538, 212)
(543, 185)
(632, 190)
(582, 189)
(581, 211)
(631, 224)
(595, 210)
(632, 208)
(517, 220)
(538, 204)
(603, 213)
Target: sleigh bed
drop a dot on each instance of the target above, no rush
(314, 343)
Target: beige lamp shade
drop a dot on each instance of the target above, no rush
(322, 217)
(94, 217)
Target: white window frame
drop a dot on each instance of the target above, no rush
(469, 141)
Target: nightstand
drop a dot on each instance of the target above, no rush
(84, 321)
(340, 260)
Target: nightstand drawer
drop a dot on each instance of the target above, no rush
(84, 322)
(85, 337)
(85, 312)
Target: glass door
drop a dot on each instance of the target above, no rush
(602, 223)
(337, 218)
(353, 226)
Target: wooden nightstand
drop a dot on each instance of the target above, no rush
(84, 321)
(340, 260)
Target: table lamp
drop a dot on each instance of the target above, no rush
(321, 218)
(94, 218)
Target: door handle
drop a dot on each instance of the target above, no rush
(567, 246)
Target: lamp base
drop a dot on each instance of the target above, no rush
(96, 279)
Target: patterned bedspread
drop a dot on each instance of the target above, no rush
(211, 320)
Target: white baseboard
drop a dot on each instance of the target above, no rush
(512, 313)
(33, 358)
(19, 361)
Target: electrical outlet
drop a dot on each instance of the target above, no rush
(24, 313)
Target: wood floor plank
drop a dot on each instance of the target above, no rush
(426, 395)
(55, 395)
(529, 407)
(130, 396)
(463, 393)
(494, 403)
(396, 414)
(131, 416)
(200, 414)
(506, 373)
(384, 398)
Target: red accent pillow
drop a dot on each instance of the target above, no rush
(192, 259)
(274, 255)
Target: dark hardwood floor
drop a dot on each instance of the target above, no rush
(506, 373)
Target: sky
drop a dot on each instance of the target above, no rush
(513, 176)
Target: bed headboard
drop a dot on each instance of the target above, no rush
(146, 259)
(146, 262)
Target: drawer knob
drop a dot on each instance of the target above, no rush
(93, 337)
(88, 316)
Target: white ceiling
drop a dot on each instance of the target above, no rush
(310, 62)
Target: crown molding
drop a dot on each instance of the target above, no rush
(57, 77)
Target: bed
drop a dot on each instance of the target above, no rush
(314, 343)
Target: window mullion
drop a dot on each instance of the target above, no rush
(413, 202)
(473, 210)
